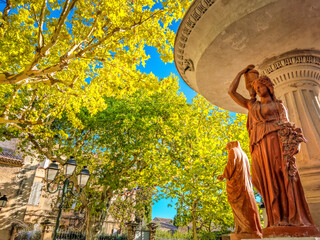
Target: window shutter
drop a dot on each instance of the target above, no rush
(35, 194)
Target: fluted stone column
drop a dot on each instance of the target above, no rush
(296, 77)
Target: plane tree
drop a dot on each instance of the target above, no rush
(123, 145)
(60, 56)
(198, 157)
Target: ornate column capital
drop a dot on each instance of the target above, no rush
(293, 66)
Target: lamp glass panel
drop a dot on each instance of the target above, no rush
(69, 169)
(83, 179)
(51, 174)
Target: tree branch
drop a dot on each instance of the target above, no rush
(6, 11)
(41, 21)
(42, 150)
(77, 46)
(34, 95)
(32, 71)
(62, 19)
(44, 51)
(8, 105)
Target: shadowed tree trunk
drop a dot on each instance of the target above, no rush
(194, 220)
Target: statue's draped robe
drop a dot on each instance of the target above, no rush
(282, 194)
(240, 193)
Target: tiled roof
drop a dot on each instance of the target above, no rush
(168, 226)
(165, 223)
(8, 158)
(165, 220)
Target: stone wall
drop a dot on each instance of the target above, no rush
(15, 183)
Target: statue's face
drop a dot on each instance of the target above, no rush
(261, 89)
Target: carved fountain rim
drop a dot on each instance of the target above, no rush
(193, 15)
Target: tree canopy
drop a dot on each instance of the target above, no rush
(199, 155)
(63, 55)
(68, 69)
(124, 145)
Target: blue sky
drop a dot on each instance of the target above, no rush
(161, 69)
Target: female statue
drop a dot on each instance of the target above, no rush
(273, 143)
(240, 194)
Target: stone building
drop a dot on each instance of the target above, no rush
(165, 224)
(16, 181)
(43, 206)
(22, 180)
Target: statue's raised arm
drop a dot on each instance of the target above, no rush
(238, 98)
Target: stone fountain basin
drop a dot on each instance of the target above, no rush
(218, 38)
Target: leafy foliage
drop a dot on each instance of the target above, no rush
(67, 72)
(162, 235)
(123, 146)
(129, 207)
(198, 157)
(63, 55)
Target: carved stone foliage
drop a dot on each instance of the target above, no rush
(188, 65)
(290, 137)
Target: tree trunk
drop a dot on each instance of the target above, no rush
(94, 225)
(104, 214)
(90, 221)
(194, 220)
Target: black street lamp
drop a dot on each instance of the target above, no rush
(3, 201)
(65, 185)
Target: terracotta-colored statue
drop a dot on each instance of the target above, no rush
(240, 194)
(273, 143)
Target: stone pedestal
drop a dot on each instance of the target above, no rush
(132, 226)
(291, 232)
(240, 236)
(152, 228)
(296, 78)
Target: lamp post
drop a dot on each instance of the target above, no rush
(3, 201)
(65, 185)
